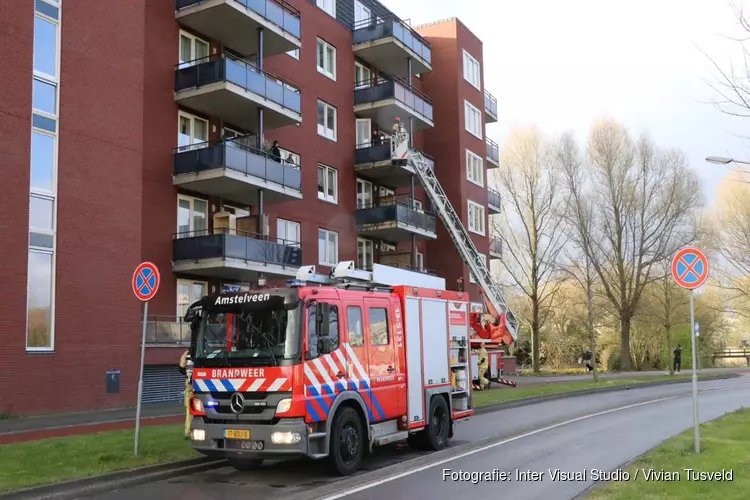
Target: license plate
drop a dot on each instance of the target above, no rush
(236, 434)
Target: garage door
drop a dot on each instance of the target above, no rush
(162, 384)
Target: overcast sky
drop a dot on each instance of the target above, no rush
(561, 64)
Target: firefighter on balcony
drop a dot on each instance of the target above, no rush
(186, 368)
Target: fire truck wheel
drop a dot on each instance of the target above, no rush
(347, 442)
(245, 465)
(438, 428)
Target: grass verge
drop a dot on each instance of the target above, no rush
(503, 394)
(725, 444)
(51, 460)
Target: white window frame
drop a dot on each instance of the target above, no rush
(361, 198)
(323, 130)
(472, 208)
(420, 260)
(323, 259)
(359, 23)
(471, 277)
(51, 194)
(369, 249)
(193, 118)
(284, 239)
(329, 72)
(472, 116)
(327, 6)
(294, 54)
(193, 40)
(180, 281)
(363, 142)
(474, 168)
(472, 71)
(358, 83)
(191, 200)
(324, 196)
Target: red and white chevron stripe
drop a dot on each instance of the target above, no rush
(323, 371)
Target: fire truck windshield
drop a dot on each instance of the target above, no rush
(267, 337)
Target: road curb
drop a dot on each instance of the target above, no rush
(517, 403)
(107, 482)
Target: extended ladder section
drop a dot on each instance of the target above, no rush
(477, 265)
(345, 274)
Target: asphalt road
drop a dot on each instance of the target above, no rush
(582, 433)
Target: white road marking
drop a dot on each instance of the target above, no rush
(409, 472)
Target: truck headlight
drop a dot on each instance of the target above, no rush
(285, 437)
(198, 405)
(284, 405)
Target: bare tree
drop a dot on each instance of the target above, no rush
(531, 231)
(633, 207)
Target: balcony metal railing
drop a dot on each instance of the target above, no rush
(416, 269)
(278, 12)
(225, 67)
(394, 87)
(490, 104)
(237, 156)
(377, 150)
(373, 28)
(167, 330)
(240, 245)
(493, 151)
(395, 209)
(493, 198)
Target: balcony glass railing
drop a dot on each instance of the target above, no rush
(496, 246)
(371, 29)
(391, 209)
(493, 198)
(234, 155)
(493, 151)
(227, 68)
(276, 12)
(378, 150)
(240, 245)
(167, 330)
(393, 88)
(490, 104)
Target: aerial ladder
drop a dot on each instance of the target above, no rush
(498, 326)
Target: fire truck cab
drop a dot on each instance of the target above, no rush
(329, 371)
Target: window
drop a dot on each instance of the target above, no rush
(363, 133)
(354, 326)
(293, 53)
(193, 50)
(362, 76)
(329, 6)
(192, 132)
(312, 332)
(474, 168)
(326, 59)
(476, 218)
(192, 216)
(365, 252)
(473, 120)
(484, 259)
(188, 292)
(326, 120)
(361, 15)
(333, 327)
(420, 260)
(379, 326)
(364, 194)
(328, 184)
(328, 247)
(40, 279)
(287, 232)
(472, 71)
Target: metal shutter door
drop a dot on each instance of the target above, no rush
(162, 384)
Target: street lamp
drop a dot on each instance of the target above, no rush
(721, 160)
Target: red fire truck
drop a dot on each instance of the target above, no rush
(329, 370)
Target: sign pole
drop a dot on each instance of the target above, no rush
(696, 422)
(140, 382)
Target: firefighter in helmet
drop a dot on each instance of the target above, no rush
(186, 370)
(483, 367)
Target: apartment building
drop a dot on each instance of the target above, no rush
(155, 141)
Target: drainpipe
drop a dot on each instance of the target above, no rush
(411, 187)
(261, 134)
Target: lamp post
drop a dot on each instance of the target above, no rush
(722, 160)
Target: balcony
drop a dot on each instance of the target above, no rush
(387, 43)
(233, 171)
(167, 331)
(388, 99)
(234, 90)
(236, 256)
(490, 108)
(493, 201)
(393, 220)
(235, 23)
(493, 154)
(496, 248)
(373, 161)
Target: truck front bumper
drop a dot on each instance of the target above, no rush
(288, 438)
